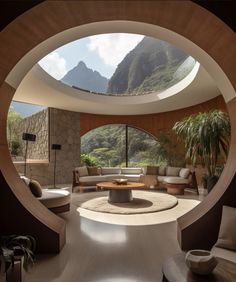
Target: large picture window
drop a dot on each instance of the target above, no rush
(123, 145)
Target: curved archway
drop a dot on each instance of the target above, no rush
(113, 145)
(200, 27)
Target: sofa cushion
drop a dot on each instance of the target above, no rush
(93, 170)
(224, 253)
(52, 198)
(162, 170)
(160, 178)
(35, 188)
(227, 233)
(175, 180)
(132, 177)
(172, 171)
(110, 170)
(151, 170)
(82, 171)
(131, 170)
(92, 178)
(184, 172)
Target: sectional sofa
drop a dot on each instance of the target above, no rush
(152, 176)
(87, 177)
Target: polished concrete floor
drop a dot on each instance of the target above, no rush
(104, 252)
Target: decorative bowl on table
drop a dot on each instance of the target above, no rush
(120, 181)
(200, 261)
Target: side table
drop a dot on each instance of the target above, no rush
(175, 270)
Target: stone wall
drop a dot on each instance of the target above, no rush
(65, 130)
(36, 124)
(63, 127)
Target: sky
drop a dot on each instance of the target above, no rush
(99, 52)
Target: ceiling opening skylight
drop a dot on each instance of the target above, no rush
(118, 64)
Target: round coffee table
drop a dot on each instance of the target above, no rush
(120, 193)
(175, 270)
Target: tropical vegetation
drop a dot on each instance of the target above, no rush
(17, 245)
(206, 138)
(106, 146)
(153, 65)
(13, 120)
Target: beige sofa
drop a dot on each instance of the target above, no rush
(152, 176)
(88, 177)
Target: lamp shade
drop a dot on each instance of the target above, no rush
(56, 147)
(29, 137)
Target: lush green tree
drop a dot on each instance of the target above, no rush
(88, 160)
(13, 120)
(106, 157)
(107, 145)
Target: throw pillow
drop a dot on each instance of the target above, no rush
(83, 171)
(184, 172)
(25, 179)
(152, 170)
(162, 171)
(35, 188)
(227, 233)
(93, 170)
(172, 171)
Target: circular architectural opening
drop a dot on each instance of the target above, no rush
(119, 64)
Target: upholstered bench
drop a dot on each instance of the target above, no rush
(57, 200)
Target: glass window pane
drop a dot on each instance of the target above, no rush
(105, 146)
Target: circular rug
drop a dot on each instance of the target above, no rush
(143, 202)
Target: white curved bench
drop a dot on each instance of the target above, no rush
(57, 200)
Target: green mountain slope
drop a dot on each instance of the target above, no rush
(153, 65)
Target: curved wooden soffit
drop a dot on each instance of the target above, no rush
(153, 124)
(20, 212)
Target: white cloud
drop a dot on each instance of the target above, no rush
(54, 64)
(112, 48)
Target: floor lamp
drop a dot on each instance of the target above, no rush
(27, 137)
(55, 147)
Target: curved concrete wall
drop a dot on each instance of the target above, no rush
(203, 35)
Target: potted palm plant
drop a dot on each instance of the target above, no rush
(16, 249)
(206, 139)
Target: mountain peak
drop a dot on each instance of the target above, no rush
(85, 78)
(81, 64)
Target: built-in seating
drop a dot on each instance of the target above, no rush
(87, 177)
(57, 200)
(152, 176)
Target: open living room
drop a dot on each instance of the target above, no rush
(117, 141)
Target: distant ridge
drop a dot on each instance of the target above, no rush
(25, 109)
(83, 77)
